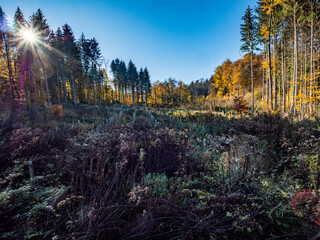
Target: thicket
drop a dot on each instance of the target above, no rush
(134, 173)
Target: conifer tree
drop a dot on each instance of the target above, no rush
(250, 42)
(72, 57)
(133, 78)
(146, 84)
(141, 84)
(85, 60)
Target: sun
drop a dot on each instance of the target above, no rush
(29, 36)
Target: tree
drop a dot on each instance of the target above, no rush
(72, 57)
(85, 60)
(6, 42)
(146, 84)
(141, 84)
(95, 57)
(60, 62)
(40, 26)
(133, 78)
(250, 42)
(20, 62)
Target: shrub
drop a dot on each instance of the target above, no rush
(56, 111)
(241, 105)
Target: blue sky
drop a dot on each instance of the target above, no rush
(183, 39)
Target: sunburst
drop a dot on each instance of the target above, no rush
(29, 36)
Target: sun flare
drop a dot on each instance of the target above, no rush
(29, 36)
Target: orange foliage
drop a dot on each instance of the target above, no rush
(240, 105)
(56, 111)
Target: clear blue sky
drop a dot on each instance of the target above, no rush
(184, 39)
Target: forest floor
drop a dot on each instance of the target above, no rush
(117, 172)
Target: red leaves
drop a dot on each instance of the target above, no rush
(304, 204)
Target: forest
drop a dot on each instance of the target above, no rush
(97, 150)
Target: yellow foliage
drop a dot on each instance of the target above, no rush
(265, 64)
(264, 32)
(269, 5)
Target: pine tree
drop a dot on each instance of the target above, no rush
(85, 60)
(115, 64)
(40, 26)
(95, 57)
(72, 56)
(19, 24)
(250, 42)
(61, 70)
(141, 84)
(133, 78)
(146, 84)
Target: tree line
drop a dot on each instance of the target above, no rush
(281, 39)
(280, 68)
(39, 66)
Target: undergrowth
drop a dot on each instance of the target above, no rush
(134, 173)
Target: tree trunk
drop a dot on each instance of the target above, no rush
(58, 86)
(11, 80)
(283, 76)
(95, 92)
(305, 80)
(274, 75)
(88, 93)
(295, 80)
(141, 96)
(73, 90)
(132, 89)
(252, 85)
(64, 88)
(311, 60)
(41, 85)
(270, 64)
(47, 86)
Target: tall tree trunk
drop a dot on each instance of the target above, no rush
(141, 96)
(295, 80)
(95, 91)
(73, 90)
(146, 98)
(132, 89)
(274, 74)
(292, 84)
(88, 93)
(47, 86)
(311, 59)
(269, 77)
(263, 76)
(31, 81)
(64, 87)
(283, 76)
(41, 85)
(58, 86)
(252, 86)
(65, 96)
(270, 64)
(305, 80)
(11, 80)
